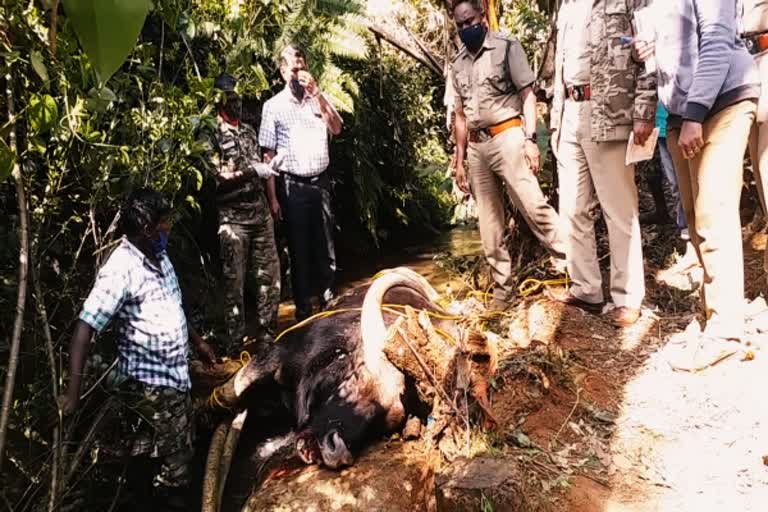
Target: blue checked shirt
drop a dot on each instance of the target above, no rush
(296, 129)
(145, 303)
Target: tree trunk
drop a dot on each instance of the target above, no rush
(21, 300)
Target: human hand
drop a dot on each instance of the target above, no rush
(642, 129)
(532, 155)
(460, 176)
(206, 353)
(691, 140)
(644, 49)
(274, 208)
(308, 81)
(264, 170)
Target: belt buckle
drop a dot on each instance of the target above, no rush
(577, 93)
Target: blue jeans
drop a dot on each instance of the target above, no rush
(669, 172)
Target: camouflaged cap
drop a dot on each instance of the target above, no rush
(622, 91)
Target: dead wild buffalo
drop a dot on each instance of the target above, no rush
(342, 389)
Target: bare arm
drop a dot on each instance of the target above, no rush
(460, 131)
(461, 134)
(330, 116)
(78, 351)
(530, 114)
(530, 148)
(274, 205)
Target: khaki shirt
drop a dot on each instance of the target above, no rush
(755, 17)
(486, 95)
(574, 19)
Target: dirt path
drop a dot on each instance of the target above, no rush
(672, 441)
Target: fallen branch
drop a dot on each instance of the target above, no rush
(21, 299)
(403, 47)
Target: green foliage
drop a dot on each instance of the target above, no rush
(107, 30)
(91, 129)
(530, 23)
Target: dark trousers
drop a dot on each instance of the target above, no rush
(306, 207)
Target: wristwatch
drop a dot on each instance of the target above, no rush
(533, 137)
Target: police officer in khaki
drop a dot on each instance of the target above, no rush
(493, 84)
(755, 34)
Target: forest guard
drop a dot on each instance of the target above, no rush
(246, 230)
(494, 87)
(602, 95)
(137, 290)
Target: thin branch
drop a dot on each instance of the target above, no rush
(404, 48)
(567, 419)
(54, 27)
(21, 301)
(41, 310)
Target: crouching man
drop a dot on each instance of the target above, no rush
(138, 289)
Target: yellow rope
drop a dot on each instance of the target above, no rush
(214, 400)
(531, 285)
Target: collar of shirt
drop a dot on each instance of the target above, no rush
(292, 99)
(489, 43)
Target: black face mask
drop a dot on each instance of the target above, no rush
(473, 36)
(297, 89)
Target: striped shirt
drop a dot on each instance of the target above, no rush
(145, 303)
(298, 130)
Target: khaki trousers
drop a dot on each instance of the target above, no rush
(710, 189)
(592, 172)
(493, 165)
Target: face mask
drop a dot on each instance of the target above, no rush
(161, 244)
(473, 36)
(233, 107)
(297, 89)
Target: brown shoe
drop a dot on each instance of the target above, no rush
(568, 298)
(624, 316)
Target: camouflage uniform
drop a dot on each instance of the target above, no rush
(247, 238)
(592, 131)
(164, 431)
(621, 89)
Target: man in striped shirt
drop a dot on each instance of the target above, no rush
(296, 123)
(137, 291)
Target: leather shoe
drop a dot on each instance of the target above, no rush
(570, 299)
(624, 316)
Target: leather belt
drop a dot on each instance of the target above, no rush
(756, 43)
(579, 92)
(484, 134)
(303, 179)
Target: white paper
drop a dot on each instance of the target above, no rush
(645, 30)
(637, 153)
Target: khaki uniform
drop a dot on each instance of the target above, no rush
(591, 144)
(755, 21)
(247, 238)
(487, 86)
